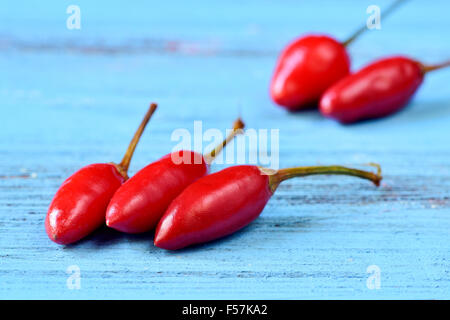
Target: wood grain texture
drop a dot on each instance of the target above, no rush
(70, 98)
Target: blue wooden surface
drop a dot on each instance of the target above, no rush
(70, 98)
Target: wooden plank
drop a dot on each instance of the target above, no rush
(70, 98)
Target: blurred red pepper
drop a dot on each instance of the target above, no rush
(310, 65)
(375, 91)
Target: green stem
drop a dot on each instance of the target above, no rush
(122, 167)
(238, 126)
(358, 32)
(285, 174)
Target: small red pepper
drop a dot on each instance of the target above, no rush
(224, 202)
(305, 69)
(310, 65)
(139, 204)
(79, 205)
(375, 91)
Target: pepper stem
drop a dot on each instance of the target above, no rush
(426, 69)
(285, 174)
(364, 27)
(122, 167)
(238, 127)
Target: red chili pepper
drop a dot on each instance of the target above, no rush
(375, 91)
(305, 69)
(310, 65)
(139, 204)
(79, 205)
(224, 202)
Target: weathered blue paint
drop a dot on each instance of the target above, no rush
(70, 98)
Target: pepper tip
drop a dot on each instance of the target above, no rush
(238, 124)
